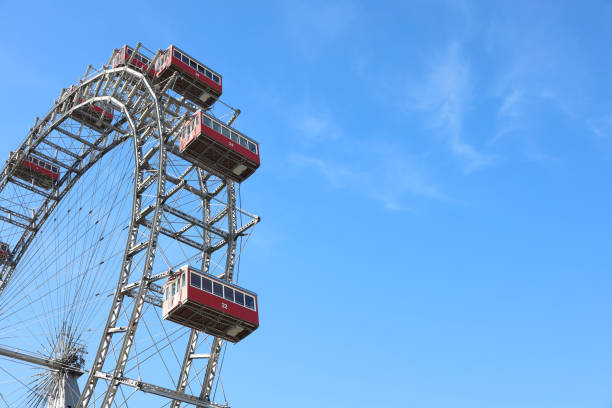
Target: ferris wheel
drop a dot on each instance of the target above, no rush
(121, 232)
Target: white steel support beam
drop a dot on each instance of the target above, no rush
(157, 390)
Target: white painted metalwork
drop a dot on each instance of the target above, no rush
(174, 213)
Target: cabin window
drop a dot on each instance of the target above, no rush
(228, 293)
(252, 147)
(55, 169)
(243, 142)
(207, 285)
(226, 132)
(215, 78)
(239, 296)
(173, 288)
(209, 74)
(235, 137)
(201, 70)
(177, 54)
(217, 127)
(207, 121)
(249, 302)
(185, 59)
(193, 65)
(218, 289)
(196, 281)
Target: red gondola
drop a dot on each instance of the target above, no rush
(123, 55)
(207, 142)
(97, 115)
(4, 252)
(204, 302)
(196, 82)
(37, 171)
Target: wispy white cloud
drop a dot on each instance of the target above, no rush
(602, 126)
(336, 174)
(388, 176)
(315, 127)
(444, 95)
(539, 157)
(509, 114)
(542, 66)
(511, 104)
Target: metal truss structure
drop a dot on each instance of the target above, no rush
(188, 211)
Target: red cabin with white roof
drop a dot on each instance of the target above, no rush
(37, 171)
(97, 115)
(207, 142)
(204, 302)
(196, 82)
(126, 55)
(4, 252)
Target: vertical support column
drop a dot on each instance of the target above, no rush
(206, 215)
(211, 368)
(215, 351)
(186, 367)
(193, 336)
(231, 230)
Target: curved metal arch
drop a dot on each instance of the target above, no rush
(30, 144)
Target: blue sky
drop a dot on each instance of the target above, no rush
(434, 187)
